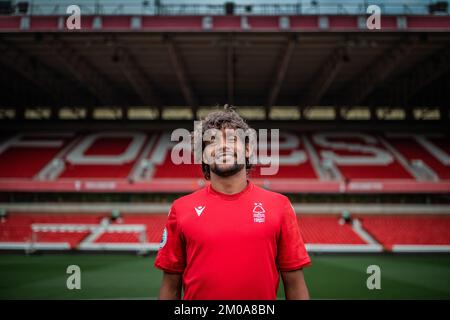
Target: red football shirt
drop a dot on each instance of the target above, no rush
(231, 246)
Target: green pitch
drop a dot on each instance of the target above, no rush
(133, 277)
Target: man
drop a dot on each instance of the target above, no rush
(231, 239)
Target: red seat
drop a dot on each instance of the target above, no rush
(409, 230)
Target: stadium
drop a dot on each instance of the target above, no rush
(87, 112)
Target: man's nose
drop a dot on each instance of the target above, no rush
(226, 146)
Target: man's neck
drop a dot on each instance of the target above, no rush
(229, 185)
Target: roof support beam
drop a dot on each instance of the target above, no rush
(381, 69)
(230, 70)
(325, 77)
(280, 73)
(137, 78)
(421, 76)
(427, 72)
(84, 72)
(42, 77)
(180, 71)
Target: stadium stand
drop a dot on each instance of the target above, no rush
(416, 163)
(326, 230)
(402, 233)
(142, 232)
(90, 111)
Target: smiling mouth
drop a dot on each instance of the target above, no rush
(225, 158)
(223, 155)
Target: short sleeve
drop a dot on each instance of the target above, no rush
(171, 254)
(292, 254)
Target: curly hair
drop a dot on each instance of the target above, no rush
(227, 118)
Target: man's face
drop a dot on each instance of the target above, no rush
(227, 152)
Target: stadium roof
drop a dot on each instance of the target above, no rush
(238, 7)
(299, 60)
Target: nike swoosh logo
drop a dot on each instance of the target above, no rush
(199, 210)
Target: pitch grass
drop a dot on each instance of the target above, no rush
(122, 276)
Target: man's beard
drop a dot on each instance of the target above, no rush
(228, 171)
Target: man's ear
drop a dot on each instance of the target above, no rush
(248, 151)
